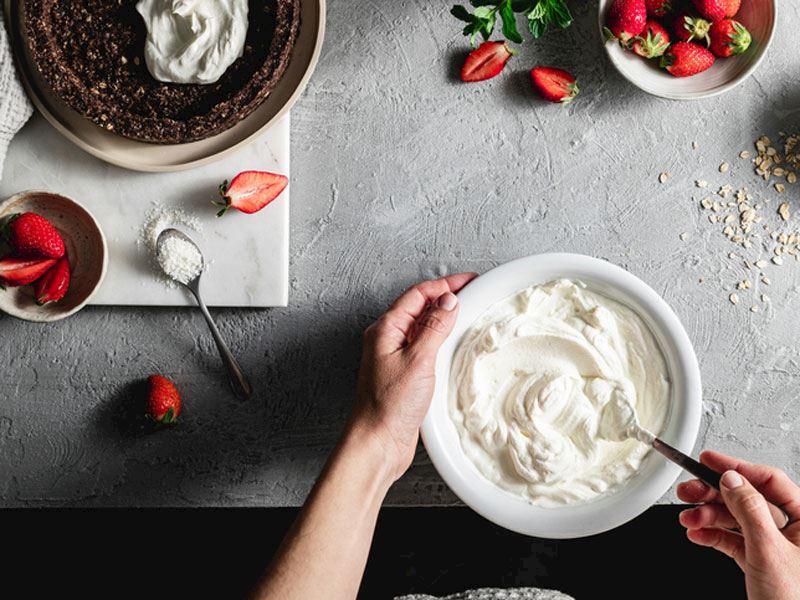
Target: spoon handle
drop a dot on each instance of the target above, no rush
(710, 476)
(241, 387)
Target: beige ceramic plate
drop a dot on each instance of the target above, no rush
(142, 156)
(86, 250)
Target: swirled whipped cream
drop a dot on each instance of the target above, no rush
(193, 41)
(552, 388)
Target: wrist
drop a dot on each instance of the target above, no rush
(364, 447)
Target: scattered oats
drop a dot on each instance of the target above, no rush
(744, 154)
(783, 211)
(761, 263)
(777, 260)
(778, 172)
(694, 145)
(764, 298)
(683, 236)
(728, 219)
(706, 203)
(136, 60)
(663, 177)
(791, 178)
(780, 188)
(728, 231)
(123, 60)
(754, 308)
(765, 280)
(734, 298)
(701, 183)
(713, 218)
(723, 168)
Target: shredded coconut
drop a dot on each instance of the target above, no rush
(157, 220)
(180, 259)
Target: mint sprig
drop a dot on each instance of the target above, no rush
(539, 14)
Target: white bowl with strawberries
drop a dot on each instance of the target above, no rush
(53, 256)
(686, 49)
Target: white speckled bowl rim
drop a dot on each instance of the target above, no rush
(722, 77)
(656, 475)
(53, 312)
(143, 156)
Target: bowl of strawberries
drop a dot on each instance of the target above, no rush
(53, 256)
(686, 49)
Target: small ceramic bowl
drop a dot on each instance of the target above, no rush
(725, 74)
(86, 249)
(655, 476)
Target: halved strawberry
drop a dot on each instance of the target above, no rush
(33, 236)
(15, 272)
(554, 85)
(486, 61)
(54, 284)
(250, 191)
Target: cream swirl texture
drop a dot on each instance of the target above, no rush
(193, 41)
(549, 390)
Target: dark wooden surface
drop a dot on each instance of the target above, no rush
(218, 553)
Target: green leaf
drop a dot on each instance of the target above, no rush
(461, 13)
(484, 12)
(509, 22)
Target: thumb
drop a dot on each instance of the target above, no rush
(433, 326)
(748, 506)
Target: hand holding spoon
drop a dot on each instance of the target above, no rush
(172, 247)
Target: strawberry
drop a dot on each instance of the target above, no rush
(250, 191)
(653, 42)
(15, 272)
(712, 10)
(626, 19)
(658, 8)
(684, 59)
(729, 37)
(163, 400)
(731, 7)
(32, 236)
(688, 28)
(554, 85)
(486, 61)
(53, 285)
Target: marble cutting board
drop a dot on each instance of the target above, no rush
(248, 255)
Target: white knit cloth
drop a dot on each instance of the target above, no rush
(496, 594)
(15, 108)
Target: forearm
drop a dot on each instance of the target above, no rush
(324, 554)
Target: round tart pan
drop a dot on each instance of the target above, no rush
(143, 156)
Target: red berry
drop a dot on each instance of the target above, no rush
(54, 284)
(32, 236)
(729, 37)
(689, 28)
(658, 8)
(15, 272)
(653, 42)
(486, 61)
(250, 191)
(713, 10)
(684, 59)
(163, 400)
(626, 19)
(731, 7)
(554, 85)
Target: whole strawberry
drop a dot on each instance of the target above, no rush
(163, 400)
(713, 10)
(729, 37)
(684, 59)
(32, 236)
(626, 19)
(689, 28)
(658, 8)
(731, 7)
(653, 42)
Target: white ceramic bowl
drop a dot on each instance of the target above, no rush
(87, 251)
(656, 475)
(759, 16)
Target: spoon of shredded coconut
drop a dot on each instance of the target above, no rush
(181, 260)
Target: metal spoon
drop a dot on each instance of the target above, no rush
(241, 387)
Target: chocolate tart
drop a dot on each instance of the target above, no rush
(90, 52)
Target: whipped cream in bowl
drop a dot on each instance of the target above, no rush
(559, 372)
(193, 41)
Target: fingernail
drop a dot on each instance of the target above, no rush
(731, 480)
(447, 301)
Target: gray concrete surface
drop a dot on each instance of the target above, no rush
(402, 173)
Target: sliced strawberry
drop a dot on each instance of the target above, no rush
(32, 236)
(554, 85)
(54, 284)
(15, 272)
(486, 61)
(250, 191)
